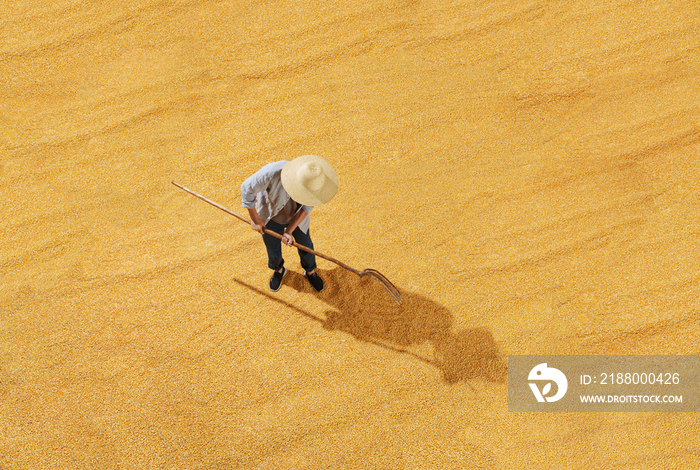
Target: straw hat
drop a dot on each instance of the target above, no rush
(310, 180)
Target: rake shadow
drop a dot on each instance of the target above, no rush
(362, 308)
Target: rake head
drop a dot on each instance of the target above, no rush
(391, 288)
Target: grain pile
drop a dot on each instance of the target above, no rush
(526, 174)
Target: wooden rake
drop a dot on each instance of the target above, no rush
(391, 288)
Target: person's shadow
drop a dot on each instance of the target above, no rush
(362, 308)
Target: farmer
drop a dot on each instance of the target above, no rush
(280, 197)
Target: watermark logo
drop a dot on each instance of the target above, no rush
(600, 383)
(546, 374)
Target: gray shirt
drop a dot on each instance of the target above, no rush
(264, 192)
(287, 213)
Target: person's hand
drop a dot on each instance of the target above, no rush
(287, 239)
(258, 226)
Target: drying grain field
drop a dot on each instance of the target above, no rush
(527, 174)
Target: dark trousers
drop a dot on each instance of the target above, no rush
(274, 247)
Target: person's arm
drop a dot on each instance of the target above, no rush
(256, 223)
(250, 188)
(293, 224)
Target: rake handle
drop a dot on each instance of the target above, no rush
(269, 232)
